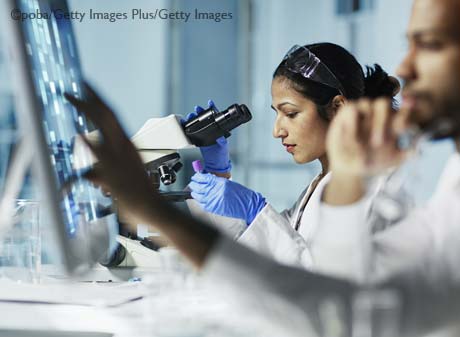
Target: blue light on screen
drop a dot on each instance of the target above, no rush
(55, 66)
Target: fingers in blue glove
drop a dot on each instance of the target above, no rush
(188, 117)
(203, 178)
(222, 141)
(212, 105)
(198, 109)
(223, 197)
(199, 188)
(202, 183)
(198, 197)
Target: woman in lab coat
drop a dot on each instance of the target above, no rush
(310, 84)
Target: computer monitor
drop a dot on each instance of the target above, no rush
(45, 65)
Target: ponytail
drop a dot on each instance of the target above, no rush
(377, 83)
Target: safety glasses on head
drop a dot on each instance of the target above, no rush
(301, 60)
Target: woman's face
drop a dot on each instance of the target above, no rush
(301, 130)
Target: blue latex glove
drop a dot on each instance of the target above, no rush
(224, 197)
(216, 157)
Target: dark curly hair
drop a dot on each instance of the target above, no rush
(374, 83)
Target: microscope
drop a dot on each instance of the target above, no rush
(158, 141)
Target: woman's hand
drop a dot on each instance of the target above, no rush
(225, 197)
(217, 156)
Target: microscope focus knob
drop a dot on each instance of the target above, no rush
(167, 175)
(177, 166)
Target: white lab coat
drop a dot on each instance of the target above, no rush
(426, 241)
(273, 234)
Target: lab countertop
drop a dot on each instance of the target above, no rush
(171, 304)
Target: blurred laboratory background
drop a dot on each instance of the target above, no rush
(152, 68)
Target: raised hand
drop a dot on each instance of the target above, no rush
(119, 168)
(362, 141)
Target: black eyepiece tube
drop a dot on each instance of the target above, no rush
(211, 124)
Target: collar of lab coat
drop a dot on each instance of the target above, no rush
(309, 206)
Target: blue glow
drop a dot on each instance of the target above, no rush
(53, 56)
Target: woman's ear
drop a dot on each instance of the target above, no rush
(337, 102)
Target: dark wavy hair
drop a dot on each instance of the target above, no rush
(374, 83)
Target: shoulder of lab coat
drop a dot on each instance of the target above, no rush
(272, 234)
(285, 295)
(230, 226)
(289, 214)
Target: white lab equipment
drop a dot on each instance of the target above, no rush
(158, 141)
(159, 138)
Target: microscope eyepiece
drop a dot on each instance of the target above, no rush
(211, 124)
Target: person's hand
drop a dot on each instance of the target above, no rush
(224, 197)
(119, 168)
(362, 141)
(216, 157)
